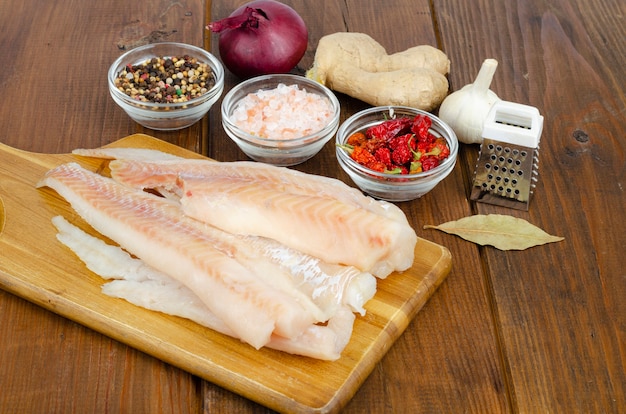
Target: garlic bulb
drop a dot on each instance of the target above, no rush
(466, 109)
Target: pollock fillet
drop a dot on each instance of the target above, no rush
(320, 216)
(153, 229)
(149, 288)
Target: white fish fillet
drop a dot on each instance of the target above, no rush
(330, 286)
(145, 154)
(144, 286)
(318, 215)
(153, 229)
(143, 173)
(320, 226)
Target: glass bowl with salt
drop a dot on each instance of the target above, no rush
(280, 119)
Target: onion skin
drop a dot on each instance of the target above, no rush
(261, 37)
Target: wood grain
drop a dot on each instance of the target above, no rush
(37, 268)
(524, 332)
(559, 310)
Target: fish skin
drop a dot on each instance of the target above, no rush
(153, 229)
(378, 252)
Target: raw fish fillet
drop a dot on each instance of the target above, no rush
(330, 286)
(144, 286)
(145, 154)
(320, 226)
(317, 215)
(154, 230)
(145, 173)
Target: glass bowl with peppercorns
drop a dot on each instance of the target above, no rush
(280, 119)
(166, 86)
(396, 153)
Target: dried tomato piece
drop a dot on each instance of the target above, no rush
(440, 149)
(383, 155)
(420, 126)
(400, 149)
(389, 129)
(367, 159)
(428, 163)
(356, 139)
(373, 144)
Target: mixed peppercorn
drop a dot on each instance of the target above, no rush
(398, 146)
(166, 79)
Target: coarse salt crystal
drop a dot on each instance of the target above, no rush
(285, 112)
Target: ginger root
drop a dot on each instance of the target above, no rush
(357, 65)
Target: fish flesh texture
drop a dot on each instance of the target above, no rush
(317, 215)
(146, 287)
(112, 153)
(154, 230)
(329, 285)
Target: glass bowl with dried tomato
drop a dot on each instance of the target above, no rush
(396, 153)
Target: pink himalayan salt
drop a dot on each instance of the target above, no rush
(283, 113)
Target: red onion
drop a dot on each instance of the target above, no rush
(261, 37)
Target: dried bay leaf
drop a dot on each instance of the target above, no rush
(498, 230)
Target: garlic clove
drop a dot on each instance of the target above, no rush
(466, 109)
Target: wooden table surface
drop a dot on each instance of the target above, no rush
(536, 331)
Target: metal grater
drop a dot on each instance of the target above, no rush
(507, 167)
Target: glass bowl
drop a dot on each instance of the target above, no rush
(387, 186)
(280, 151)
(166, 115)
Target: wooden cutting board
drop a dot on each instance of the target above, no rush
(35, 266)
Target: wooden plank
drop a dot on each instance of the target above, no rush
(113, 377)
(559, 309)
(60, 56)
(33, 266)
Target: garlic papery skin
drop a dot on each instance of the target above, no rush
(465, 110)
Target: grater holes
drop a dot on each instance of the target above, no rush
(504, 170)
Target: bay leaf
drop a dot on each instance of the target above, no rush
(498, 230)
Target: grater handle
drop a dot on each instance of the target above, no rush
(514, 123)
